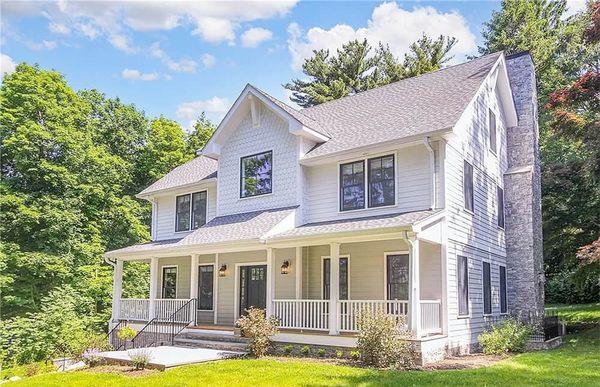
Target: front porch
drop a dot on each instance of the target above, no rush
(312, 290)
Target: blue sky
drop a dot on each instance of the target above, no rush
(177, 59)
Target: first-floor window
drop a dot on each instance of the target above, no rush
(343, 278)
(487, 289)
(169, 282)
(503, 304)
(205, 287)
(397, 275)
(463, 285)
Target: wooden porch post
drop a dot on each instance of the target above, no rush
(298, 272)
(153, 287)
(270, 282)
(334, 290)
(415, 287)
(117, 289)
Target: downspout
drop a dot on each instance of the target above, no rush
(111, 262)
(427, 142)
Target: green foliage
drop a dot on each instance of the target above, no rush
(140, 358)
(126, 333)
(202, 132)
(305, 350)
(509, 336)
(355, 355)
(383, 341)
(561, 288)
(288, 349)
(576, 314)
(321, 352)
(259, 329)
(339, 354)
(357, 67)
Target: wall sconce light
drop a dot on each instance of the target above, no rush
(223, 270)
(285, 267)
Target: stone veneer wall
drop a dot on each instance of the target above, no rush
(522, 193)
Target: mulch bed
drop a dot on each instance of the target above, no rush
(121, 370)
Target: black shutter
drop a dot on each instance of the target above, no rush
(503, 305)
(500, 197)
(487, 289)
(463, 285)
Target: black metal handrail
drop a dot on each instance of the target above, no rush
(113, 336)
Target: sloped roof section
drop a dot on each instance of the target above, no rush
(144, 247)
(405, 219)
(194, 171)
(413, 106)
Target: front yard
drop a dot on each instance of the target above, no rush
(575, 363)
(576, 314)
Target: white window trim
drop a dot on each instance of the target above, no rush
(458, 315)
(191, 208)
(323, 257)
(365, 161)
(214, 265)
(385, 257)
(162, 273)
(489, 262)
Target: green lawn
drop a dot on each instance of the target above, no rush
(577, 362)
(584, 313)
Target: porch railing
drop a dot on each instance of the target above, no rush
(348, 311)
(165, 307)
(302, 314)
(134, 309)
(431, 316)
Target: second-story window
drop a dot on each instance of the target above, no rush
(468, 186)
(190, 212)
(492, 131)
(256, 175)
(381, 181)
(352, 186)
(500, 199)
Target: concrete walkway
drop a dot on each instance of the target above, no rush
(165, 356)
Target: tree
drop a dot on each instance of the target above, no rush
(357, 67)
(202, 132)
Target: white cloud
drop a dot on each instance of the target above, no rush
(215, 108)
(208, 60)
(122, 43)
(573, 7)
(43, 45)
(59, 28)
(255, 36)
(182, 66)
(136, 75)
(7, 65)
(214, 30)
(390, 24)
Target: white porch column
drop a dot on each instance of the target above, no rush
(298, 272)
(194, 276)
(216, 290)
(334, 287)
(153, 287)
(415, 287)
(270, 283)
(117, 289)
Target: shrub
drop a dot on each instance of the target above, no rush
(32, 369)
(508, 336)
(126, 333)
(305, 351)
(339, 354)
(288, 349)
(258, 329)
(355, 355)
(139, 358)
(321, 352)
(91, 357)
(567, 287)
(382, 340)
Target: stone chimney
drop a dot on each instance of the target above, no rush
(523, 195)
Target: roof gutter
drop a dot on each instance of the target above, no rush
(427, 142)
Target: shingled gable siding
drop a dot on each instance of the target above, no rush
(477, 236)
(272, 134)
(165, 213)
(412, 190)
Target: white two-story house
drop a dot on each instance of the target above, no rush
(420, 198)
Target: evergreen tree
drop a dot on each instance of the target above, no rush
(202, 132)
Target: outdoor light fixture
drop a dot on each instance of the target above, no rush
(223, 270)
(285, 267)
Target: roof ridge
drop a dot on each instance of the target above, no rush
(401, 80)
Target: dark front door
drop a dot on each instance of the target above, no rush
(253, 287)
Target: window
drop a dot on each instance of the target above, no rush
(256, 176)
(205, 287)
(397, 277)
(468, 186)
(503, 304)
(343, 278)
(169, 282)
(463, 285)
(352, 186)
(492, 131)
(500, 197)
(487, 289)
(381, 181)
(190, 211)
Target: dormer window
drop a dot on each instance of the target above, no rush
(190, 212)
(256, 174)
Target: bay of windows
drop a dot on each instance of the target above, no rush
(378, 182)
(190, 212)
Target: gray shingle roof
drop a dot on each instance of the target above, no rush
(413, 106)
(194, 171)
(356, 224)
(144, 247)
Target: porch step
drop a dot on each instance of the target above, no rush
(209, 336)
(211, 344)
